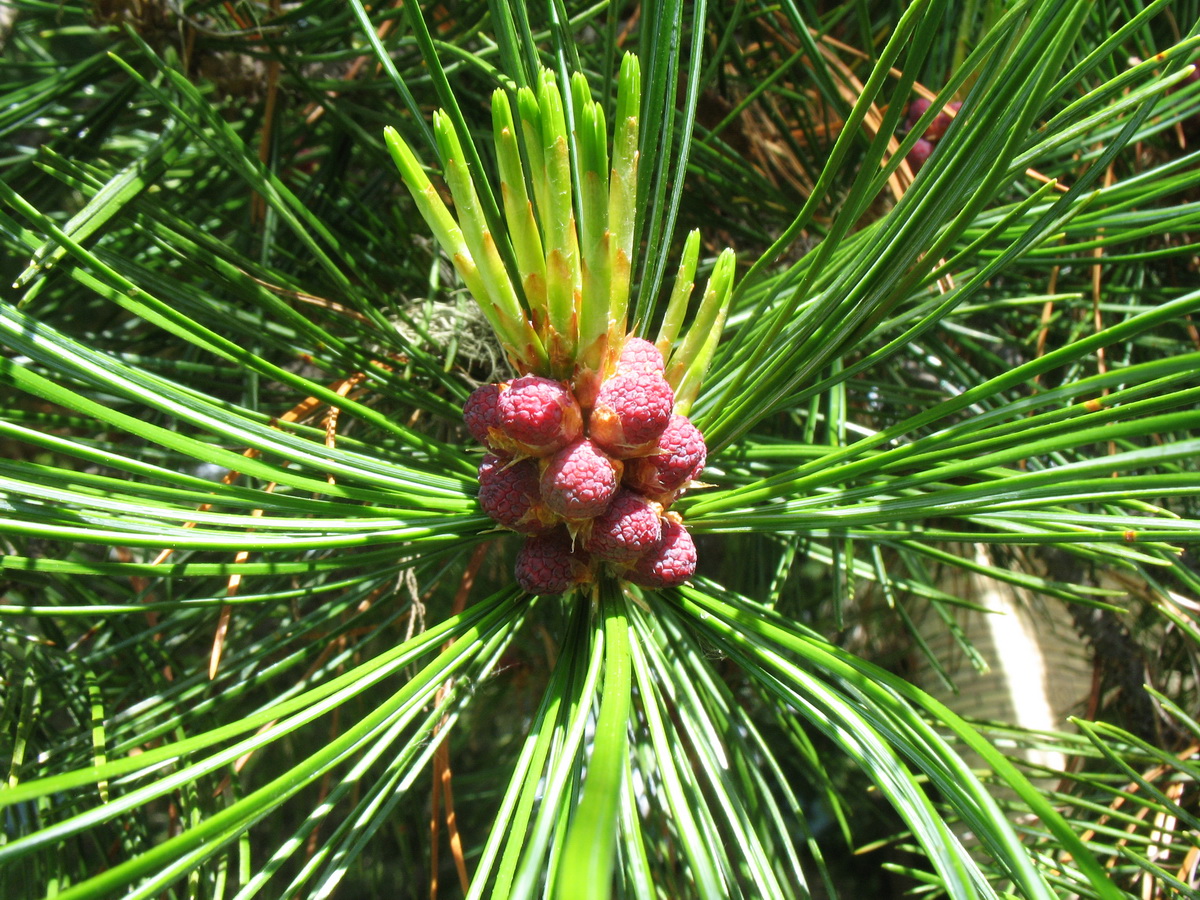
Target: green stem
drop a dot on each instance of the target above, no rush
(586, 866)
(622, 189)
(564, 286)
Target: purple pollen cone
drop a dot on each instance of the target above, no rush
(539, 415)
(481, 412)
(941, 122)
(916, 109)
(579, 481)
(631, 411)
(639, 354)
(626, 530)
(547, 564)
(919, 154)
(670, 563)
(510, 494)
(678, 458)
(607, 483)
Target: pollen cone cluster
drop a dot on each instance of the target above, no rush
(923, 149)
(589, 487)
(590, 446)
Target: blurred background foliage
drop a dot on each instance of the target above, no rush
(256, 638)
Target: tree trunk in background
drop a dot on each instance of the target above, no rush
(1040, 669)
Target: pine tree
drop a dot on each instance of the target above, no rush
(923, 278)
